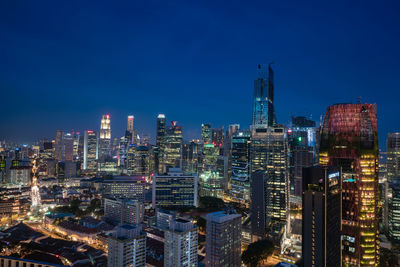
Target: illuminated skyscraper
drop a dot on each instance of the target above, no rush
(206, 133)
(129, 126)
(393, 176)
(90, 152)
(105, 138)
(172, 146)
(218, 136)
(240, 153)
(349, 140)
(161, 124)
(68, 147)
(270, 187)
(263, 108)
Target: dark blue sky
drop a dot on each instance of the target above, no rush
(65, 63)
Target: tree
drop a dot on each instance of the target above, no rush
(201, 223)
(257, 252)
(211, 203)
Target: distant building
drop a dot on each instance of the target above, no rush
(263, 107)
(104, 148)
(11, 261)
(393, 177)
(175, 189)
(172, 147)
(223, 239)
(206, 133)
(180, 247)
(59, 145)
(20, 175)
(90, 152)
(68, 147)
(127, 247)
(322, 214)
(124, 187)
(218, 136)
(160, 136)
(123, 211)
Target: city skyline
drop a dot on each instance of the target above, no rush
(207, 65)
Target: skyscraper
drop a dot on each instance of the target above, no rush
(161, 124)
(321, 213)
(240, 153)
(129, 126)
(223, 239)
(59, 145)
(172, 147)
(349, 140)
(206, 133)
(218, 136)
(263, 107)
(268, 154)
(393, 176)
(105, 138)
(90, 152)
(68, 147)
(127, 246)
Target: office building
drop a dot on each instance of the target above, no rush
(158, 151)
(303, 150)
(90, 152)
(218, 136)
(263, 101)
(223, 239)
(349, 140)
(269, 154)
(59, 145)
(393, 179)
(142, 161)
(68, 147)
(127, 247)
(240, 158)
(123, 211)
(171, 148)
(180, 246)
(104, 149)
(175, 189)
(321, 224)
(129, 187)
(206, 133)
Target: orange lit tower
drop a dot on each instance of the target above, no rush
(349, 140)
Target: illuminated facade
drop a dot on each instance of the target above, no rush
(171, 148)
(263, 107)
(218, 136)
(393, 177)
(212, 182)
(349, 140)
(90, 152)
(268, 154)
(161, 124)
(59, 145)
(240, 154)
(105, 137)
(206, 133)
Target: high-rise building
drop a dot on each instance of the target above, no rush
(303, 150)
(269, 154)
(180, 246)
(240, 155)
(190, 156)
(130, 159)
(129, 126)
(393, 179)
(172, 147)
(123, 210)
(175, 189)
(206, 133)
(218, 136)
(321, 213)
(127, 246)
(263, 107)
(142, 161)
(90, 152)
(68, 147)
(212, 180)
(349, 140)
(104, 150)
(20, 175)
(223, 239)
(158, 155)
(59, 145)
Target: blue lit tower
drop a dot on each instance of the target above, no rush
(263, 108)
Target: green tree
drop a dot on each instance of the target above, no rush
(201, 223)
(257, 252)
(211, 203)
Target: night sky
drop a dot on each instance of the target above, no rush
(65, 63)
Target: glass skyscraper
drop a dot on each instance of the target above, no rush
(393, 176)
(263, 107)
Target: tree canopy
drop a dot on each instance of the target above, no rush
(257, 252)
